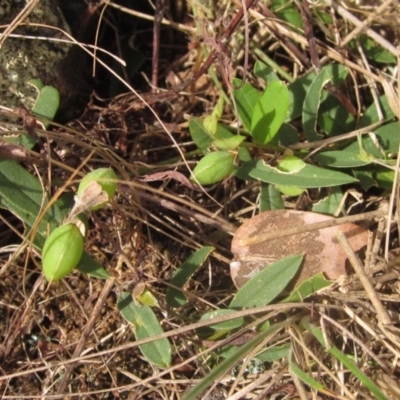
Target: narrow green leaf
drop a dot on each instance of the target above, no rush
(215, 331)
(308, 288)
(175, 297)
(266, 285)
(270, 198)
(146, 325)
(214, 167)
(270, 112)
(340, 159)
(274, 353)
(311, 105)
(230, 362)
(22, 194)
(308, 380)
(343, 358)
(308, 177)
(246, 98)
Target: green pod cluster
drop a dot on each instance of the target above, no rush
(62, 252)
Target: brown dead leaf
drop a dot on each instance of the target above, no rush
(322, 251)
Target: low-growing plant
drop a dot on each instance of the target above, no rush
(266, 118)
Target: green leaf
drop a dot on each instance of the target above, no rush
(291, 164)
(90, 266)
(36, 83)
(297, 93)
(22, 194)
(246, 98)
(267, 284)
(290, 190)
(244, 154)
(309, 177)
(270, 112)
(146, 325)
(265, 72)
(230, 362)
(47, 103)
(216, 331)
(340, 159)
(211, 121)
(333, 117)
(231, 143)
(365, 178)
(308, 288)
(311, 105)
(374, 52)
(270, 198)
(330, 204)
(214, 167)
(24, 140)
(385, 178)
(343, 358)
(371, 114)
(274, 353)
(389, 139)
(199, 134)
(307, 379)
(287, 135)
(175, 297)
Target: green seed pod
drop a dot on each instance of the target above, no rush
(62, 252)
(100, 176)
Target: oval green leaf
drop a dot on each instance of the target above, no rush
(246, 98)
(47, 103)
(270, 112)
(199, 134)
(214, 167)
(146, 325)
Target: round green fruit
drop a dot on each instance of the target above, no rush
(62, 252)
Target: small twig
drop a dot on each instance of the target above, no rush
(382, 313)
(363, 25)
(158, 17)
(318, 144)
(17, 20)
